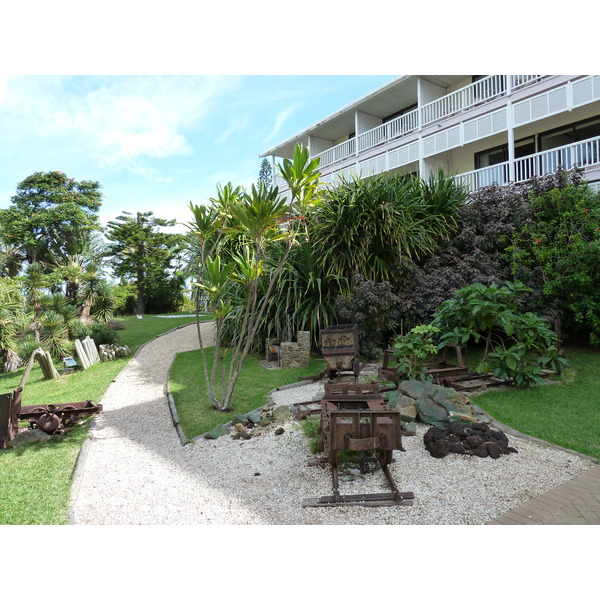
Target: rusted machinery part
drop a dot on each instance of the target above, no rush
(49, 421)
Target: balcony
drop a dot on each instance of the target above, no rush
(582, 154)
(468, 97)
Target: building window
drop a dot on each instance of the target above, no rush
(576, 132)
(499, 154)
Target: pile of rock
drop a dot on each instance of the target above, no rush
(252, 424)
(478, 439)
(433, 404)
(111, 351)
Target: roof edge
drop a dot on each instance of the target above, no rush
(354, 103)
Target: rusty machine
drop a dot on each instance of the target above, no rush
(354, 416)
(49, 418)
(339, 347)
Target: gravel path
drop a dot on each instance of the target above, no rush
(134, 470)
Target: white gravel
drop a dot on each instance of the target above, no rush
(134, 470)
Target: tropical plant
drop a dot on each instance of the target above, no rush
(11, 316)
(414, 350)
(517, 345)
(255, 223)
(380, 227)
(558, 253)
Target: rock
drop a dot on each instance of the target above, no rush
(239, 427)
(416, 389)
(431, 412)
(443, 393)
(254, 417)
(405, 405)
(29, 436)
(472, 441)
(279, 431)
(409, 428)
(239, 419)
(439, 448)
(217, 432)
(480, 451)
(476, 440)
(282, 413)
(457, 448)
(493, 450)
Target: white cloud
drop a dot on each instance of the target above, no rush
(114, 120)
(280, 119)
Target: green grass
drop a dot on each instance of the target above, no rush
(186, 383)
(566, 414)
(35, 480)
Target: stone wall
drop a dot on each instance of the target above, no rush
(295, 354)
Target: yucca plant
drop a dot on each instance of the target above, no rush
(379, 227)
(103, 308)
(55, 334)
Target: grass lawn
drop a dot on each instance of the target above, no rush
(186, 383)
(566, 414)
(35, 481)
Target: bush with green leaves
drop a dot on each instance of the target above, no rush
(414, 350)
(379, 227)
(518, 346)
(557, 252)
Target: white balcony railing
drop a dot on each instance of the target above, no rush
(581, 154)
(337, 153)
(481, 91)
(388, 131)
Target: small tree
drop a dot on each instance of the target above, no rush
(251, 227)
(265, 174)
(140, 251)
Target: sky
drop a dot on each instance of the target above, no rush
(155, 142)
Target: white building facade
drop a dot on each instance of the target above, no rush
(483, 129)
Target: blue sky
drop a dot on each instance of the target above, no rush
(158, 142)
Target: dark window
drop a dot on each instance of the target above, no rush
(576, 132)
(399, 113)
(499, 154)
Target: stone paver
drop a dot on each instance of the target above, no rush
(576, 502)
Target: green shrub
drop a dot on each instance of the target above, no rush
(517, 345)
(102, 334)
(414, 350)
(557, 252)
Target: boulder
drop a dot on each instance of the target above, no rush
(416, 389)
(217, 432)
(29, 436)
(431, 412)
(405, 405)
(254, 417)
(282, 413)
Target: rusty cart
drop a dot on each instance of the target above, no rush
(354, 416)
(339, 347)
